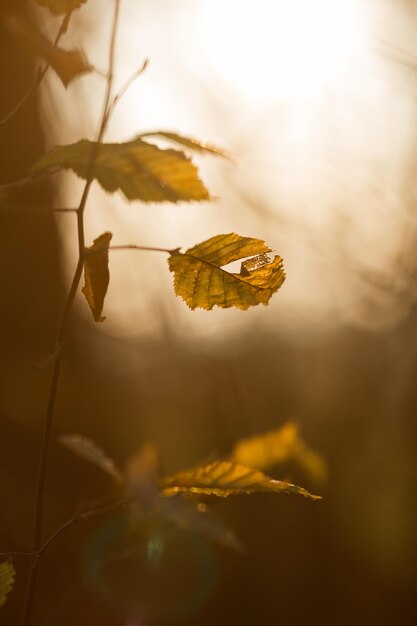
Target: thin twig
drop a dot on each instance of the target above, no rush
(152, 248)
(77, 517)
(37, 209)
(27, 180)
(43, 463)
(123, 89)
(41, 74)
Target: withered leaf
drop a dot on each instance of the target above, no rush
(201, 281)
(96, 274)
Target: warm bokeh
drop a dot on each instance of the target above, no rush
(316, 102)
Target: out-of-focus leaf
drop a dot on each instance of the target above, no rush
(269, 449)
(312, 463)
(201, 281)
(141, 170)
(279, 446)
(59, 7)
(7, 576)
(187, 142)
(141, 476)
(96, 274)
(141, 479)
(91, 452)
(224, 478)
(68, 64)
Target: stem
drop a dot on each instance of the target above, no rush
(135, 75)
(32, 89)
(152, 248)
(44, 456)
(77, 517)
(37, 209)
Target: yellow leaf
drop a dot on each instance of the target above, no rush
(141, 170)
(96, 274)
(141, 481)
(280, 446)
(269, 449)
(59, 7)
(224, 478)
(201, 281)
(91, 452)
(7, 576)
(187, 142)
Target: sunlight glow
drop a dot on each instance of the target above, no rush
(281, 49)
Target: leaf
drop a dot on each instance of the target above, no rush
(91, 452)
(59, 7)
(224, 478)
(141, 170)
(141, 481)
(96, 274)
(7, 577)
(269, 449)
(280, 446)
(68, 64)
(187, 142)
(201, 281)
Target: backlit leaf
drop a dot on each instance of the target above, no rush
(201, 281)
(141, 481)
(280, 446)
(141, 170)
(224, 478)
(96, 274)
(59, 7)
(91, 452)
(7, 576)
(269, 449)
(187, 142)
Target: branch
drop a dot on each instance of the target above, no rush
(124, 88)
(77, 517)
(43, 463)
(37, 209)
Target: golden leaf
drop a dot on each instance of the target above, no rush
(141, 170)
(224, 478)
(96, 274)
(269, 449)
(280, 446)
(201, 281)
(7, 576)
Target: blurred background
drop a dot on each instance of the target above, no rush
(316, 102)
